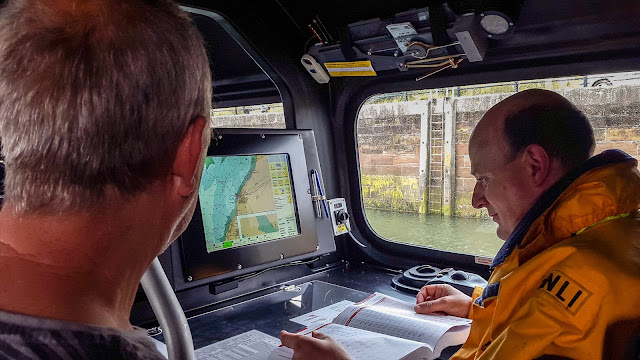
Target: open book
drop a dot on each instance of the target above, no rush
(381, 327)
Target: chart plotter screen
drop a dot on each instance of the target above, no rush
(247, 200)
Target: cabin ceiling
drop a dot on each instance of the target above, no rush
(546, 32)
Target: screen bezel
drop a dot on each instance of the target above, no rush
(199, 264)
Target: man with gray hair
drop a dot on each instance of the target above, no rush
(103, 124)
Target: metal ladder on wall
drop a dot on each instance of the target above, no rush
(435, 179)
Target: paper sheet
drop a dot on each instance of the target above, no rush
(251, 345)
(362, 344)
(386, 315)
(322, 316)
(395, 331)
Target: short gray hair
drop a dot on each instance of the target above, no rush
(95, 96)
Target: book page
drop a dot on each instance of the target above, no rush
(364, 345)
(386, 315)
(323, 315)
(251, 345)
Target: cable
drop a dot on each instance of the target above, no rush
(324, 202)
(356, 240)
(452, 64)
(325, 29)
(423, 61)
(315, 33)
(289, 15)
(412, 66)
(326, 39)
(428, 47)
(307, 43)
(293, 263)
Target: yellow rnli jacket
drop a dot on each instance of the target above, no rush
(567, 281)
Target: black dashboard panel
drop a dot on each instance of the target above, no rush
(194, 266)
(199, 263)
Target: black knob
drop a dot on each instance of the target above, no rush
(459, 276)
(427, 269)
(341, 216)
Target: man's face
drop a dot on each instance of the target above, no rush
(502, 186)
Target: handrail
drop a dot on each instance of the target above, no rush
(168, 311)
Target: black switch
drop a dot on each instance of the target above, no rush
(341, 216)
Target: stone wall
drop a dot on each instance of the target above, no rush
(389, 153)
(614, 113)
(274, 120)
(391, 192)
(389, 142)
(388, 139)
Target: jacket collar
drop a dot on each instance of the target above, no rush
(607, 157)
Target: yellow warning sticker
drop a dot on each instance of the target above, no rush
(350, 68)
(342, 227)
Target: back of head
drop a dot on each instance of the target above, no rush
(547, 119)
(94, 95)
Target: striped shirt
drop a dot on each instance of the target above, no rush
(28, 337)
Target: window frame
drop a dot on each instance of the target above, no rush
(261, 62)
(350, 101)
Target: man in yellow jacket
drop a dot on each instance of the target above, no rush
(566, 283)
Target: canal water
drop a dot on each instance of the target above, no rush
(461, 235)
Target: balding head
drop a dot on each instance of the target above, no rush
(538, 117)
(520, 148)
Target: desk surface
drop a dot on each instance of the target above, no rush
(270, 313)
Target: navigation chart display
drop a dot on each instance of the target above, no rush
(246, 200)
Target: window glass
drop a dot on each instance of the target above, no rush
(414, 162)
(265, 116)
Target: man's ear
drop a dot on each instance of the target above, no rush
(185, 165)
(538, 164)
